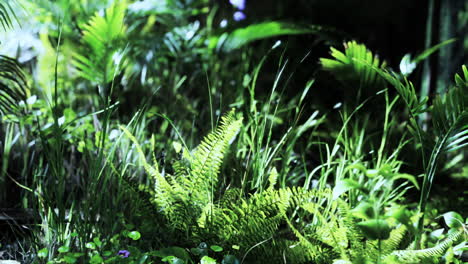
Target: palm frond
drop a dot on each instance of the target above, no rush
(352, 66)
(462, 81)
(6, 12)
(242, 36)
(450, 121)
(103, 36)
(13, 85)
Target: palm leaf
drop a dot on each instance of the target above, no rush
(355, 66)
(13, 85)
(243, 36)
(450, 121)
(6, 12)
(103, 36)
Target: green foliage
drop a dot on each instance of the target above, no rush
(103, 35)
(185, 196)
(449, 114)
(6, 12)
(407, 65)
(417, 256)
(187, 201)
(242, 36)
(351, 67)
(239, 202)
(13, 83)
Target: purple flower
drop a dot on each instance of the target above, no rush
(239, 4)
(124, 253)
(238, 16)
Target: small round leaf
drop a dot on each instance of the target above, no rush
(135, 235)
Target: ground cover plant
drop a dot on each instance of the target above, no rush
(196, 131)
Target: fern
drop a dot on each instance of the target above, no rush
(268, 216)
(264, 222)
(417, 256)
(186, 195)
(342, 234)
(295, 224)
(207, 159)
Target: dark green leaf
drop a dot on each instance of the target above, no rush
(230, 259)
(97, 241)
(375, 229)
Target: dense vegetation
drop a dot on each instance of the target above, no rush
(197, 131)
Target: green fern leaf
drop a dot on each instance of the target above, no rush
(417, 256)
(206, 161)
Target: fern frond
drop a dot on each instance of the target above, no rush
(205, 163)
(417, 256)
(268, 216)
(396, 236)
(102, 31)
(186, 199)
(163, 190)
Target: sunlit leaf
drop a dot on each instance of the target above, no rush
(135, 235)
(453, 219)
